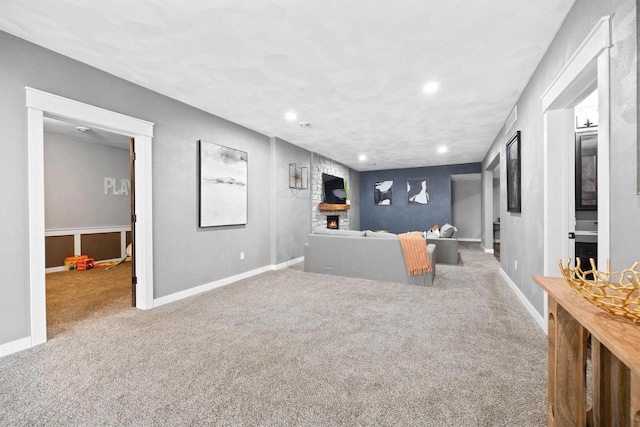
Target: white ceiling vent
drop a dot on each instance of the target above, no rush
(511, 120)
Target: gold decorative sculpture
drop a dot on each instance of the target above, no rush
(621, 298)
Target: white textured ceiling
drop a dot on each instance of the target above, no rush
(354, 69)
(69, 130)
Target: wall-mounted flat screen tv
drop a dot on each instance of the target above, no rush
(334, 192)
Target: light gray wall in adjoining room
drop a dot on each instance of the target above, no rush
(185, 256)
(465, 206)
(496, 199)
(293, 207)
(74, 174)
(522, 234)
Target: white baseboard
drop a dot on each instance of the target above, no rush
(222, 282)
(15, 346)
(467, 239)
(530, 308)
(287, 264)
(488, 251)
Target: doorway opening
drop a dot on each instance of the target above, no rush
(586, 71)
(88, 231)
(586, 183)
(40, 105)
(492, 209)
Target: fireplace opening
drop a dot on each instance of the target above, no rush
(333, 222)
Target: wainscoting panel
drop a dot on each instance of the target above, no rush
(101, 245)
(56, 249)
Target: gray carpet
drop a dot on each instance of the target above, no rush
(296, 349)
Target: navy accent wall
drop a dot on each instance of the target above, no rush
(401, 217)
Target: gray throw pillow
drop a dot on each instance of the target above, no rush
(446, 231)
(380, 235)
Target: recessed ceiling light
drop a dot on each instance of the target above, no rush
(442, 149)
(362, 157)
(304, 124)
(291, 116)
(82, 129)
(430, 87)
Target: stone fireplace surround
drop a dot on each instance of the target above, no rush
(320, 165)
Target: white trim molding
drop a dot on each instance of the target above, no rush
(223, 282)
(15, 346)
(591, 47)
(586, 70)
(209, 286)
(40, 104)
(287, 264)
(525, 302)
(88, 230)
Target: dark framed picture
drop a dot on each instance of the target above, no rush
(382, 193)
(418, 191)
(223, 185)
(513, 174)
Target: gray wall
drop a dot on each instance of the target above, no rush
(354, 193)
(292, 207)
(74, 175)
(522, 233)
(184, 255)
(401, 217)
(465, 207)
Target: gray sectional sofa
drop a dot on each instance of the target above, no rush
(446, 247)
(362, 254)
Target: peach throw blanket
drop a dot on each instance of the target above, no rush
(414, 247)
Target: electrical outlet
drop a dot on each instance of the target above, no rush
(241, 255)
(516, 263)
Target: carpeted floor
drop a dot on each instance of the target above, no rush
(74, 296)
(296, 349)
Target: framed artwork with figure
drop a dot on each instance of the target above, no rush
(382, 193)
(418, 191)
(514, 195)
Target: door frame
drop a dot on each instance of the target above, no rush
(40, 104)
(489, 213)
(587, 69)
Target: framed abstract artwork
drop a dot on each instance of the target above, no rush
(418, 191)
(223, 179)
(513, 174)
(383, 193)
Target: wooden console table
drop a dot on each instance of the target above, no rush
(615, 362)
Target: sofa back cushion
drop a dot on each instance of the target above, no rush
(332, 232)
(446, 231)
(380, 235)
